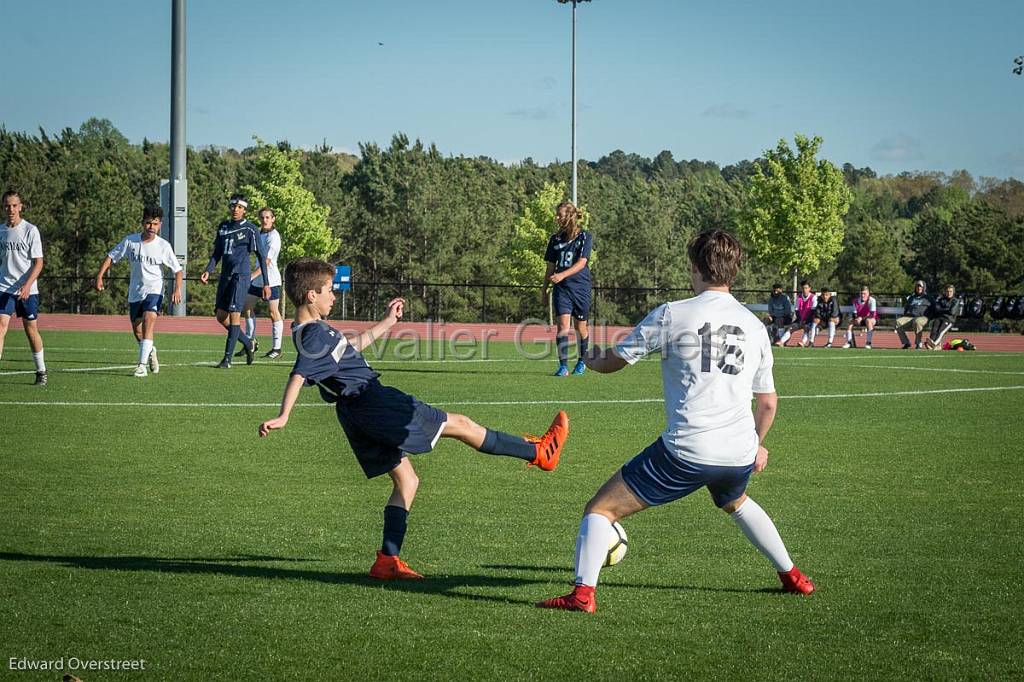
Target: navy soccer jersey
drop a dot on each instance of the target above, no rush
(232, 246)
(565, 254)
(324, 357)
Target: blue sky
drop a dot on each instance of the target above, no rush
(897, 85)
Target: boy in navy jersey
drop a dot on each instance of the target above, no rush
(382, 424)
(567, 255)
(236, 239)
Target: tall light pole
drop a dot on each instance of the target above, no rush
(177, 217)
(574, 3)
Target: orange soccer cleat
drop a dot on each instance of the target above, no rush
(549, 446)
(388, 567)
(581, 598)
(796, 582)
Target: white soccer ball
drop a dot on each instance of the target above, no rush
(617, 545)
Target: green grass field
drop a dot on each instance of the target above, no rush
(143, 519)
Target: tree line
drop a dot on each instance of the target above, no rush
(409, 215)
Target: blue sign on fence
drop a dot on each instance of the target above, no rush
(342, 277)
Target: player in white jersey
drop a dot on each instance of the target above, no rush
(21, 261)
(715, 357)
(271, 239)
(148, 254)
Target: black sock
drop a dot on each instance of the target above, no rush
(584, 345)
(394, 529)
(562, 342)
(500, 443)
(233, 333)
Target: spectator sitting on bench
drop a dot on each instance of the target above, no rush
(865, 314)
(915, 315)
(827, 310)
(806, 302)
(942, 315)
(780, 316)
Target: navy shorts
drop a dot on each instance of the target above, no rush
(384, 424)
(275, 293)
(153, 303)
(573, 301)
(658, 477)
(10, 304)
(231, 292)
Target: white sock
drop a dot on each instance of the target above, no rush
(592, 548)
(812, 331)
(871, 332)
(277, 330)
(145, 348)
(761, 532)
(849, 334)
(38, 358)
(250, 326)
(785, 337)
(831, 331)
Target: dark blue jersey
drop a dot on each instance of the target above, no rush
(323, 356)
(565, 254)
(233, 243)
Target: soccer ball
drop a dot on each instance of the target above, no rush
(617, 545)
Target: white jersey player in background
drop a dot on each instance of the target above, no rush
(21, 261)
(715, 356)
(271, 239)
(148, 253)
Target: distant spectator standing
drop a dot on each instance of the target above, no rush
(915, 315)
(806, 302)
(865, 314)
(942, 316)
(827, 310)
(780, 315)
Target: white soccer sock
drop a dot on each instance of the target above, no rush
(785, 337)
(831, 331)
(812, 331)
(145, 348)
(40, 364)
(849, 334)
(871, 332)
(277, 330)
(761, 532)
(250, 326)
(592, 548)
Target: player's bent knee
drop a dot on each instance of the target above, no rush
(730, 507)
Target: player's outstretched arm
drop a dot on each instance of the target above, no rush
(107, 262)
(603, 360)
(291, 394)
(764, 416)
(396, 307)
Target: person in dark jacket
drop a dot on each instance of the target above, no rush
(915, 315)
(942, 315)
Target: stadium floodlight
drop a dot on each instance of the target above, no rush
(574, 3)
(1019, 61)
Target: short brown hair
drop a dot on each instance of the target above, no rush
(304, 275)
(717, 255)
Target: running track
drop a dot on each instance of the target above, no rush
(452, 330)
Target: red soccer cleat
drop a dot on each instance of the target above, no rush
(549, 446)
(796, 582)
(392, 568)
(582, 598)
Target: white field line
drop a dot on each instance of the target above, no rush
(940, 369)
(817, 396)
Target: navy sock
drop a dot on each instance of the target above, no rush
(394, 529)
(500, 443)
(562, 342)
(584, 345)
(233, 333)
